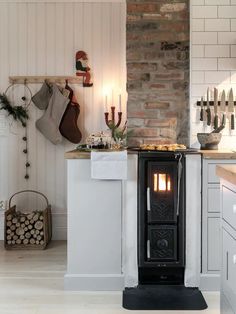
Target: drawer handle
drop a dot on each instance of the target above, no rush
(234, 258)
(234, 208)
(227, 265)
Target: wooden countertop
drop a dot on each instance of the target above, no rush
(227, 172)
(208, 154)
(75, 154)
(218, 154)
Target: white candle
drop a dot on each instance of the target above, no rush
(112, 100)
(106, 108)
(119, 103)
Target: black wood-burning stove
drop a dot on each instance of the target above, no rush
(161, 217)
(161, 236)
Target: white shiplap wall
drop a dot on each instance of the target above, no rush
(213, 58)
(41, 38)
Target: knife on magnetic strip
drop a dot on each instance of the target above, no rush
(216, 117)
(231, 108)
(208, 110)
(201, 110)
(222, 108)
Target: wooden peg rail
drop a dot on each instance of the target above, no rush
(41, 79)
(211, 103)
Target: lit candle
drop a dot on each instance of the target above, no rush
(106, 108)
(119, 109)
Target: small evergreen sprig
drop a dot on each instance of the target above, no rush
(19, 113)
(121, 134)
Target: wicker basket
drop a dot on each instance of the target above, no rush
(27, 230)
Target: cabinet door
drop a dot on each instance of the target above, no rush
(213, 243)
(229, 206)
(211, 173)
(228, 276)
(213, 200)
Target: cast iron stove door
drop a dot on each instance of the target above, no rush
(161, 194)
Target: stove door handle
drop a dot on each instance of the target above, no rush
(148, 249)
(148, 199)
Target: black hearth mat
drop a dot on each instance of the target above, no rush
(162, 297)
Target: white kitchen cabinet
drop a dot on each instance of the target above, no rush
(228, 274)
(94, 230)
(228, 247)
(102, 228)
(210, 270)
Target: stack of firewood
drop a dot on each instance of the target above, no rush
(25, 229)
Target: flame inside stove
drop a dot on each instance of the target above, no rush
(162, 182)
(168, 183)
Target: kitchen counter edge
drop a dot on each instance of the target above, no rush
(75, 154)
(207, 154)
(218, 154)
(227, 172)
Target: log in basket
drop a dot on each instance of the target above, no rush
(31, 230)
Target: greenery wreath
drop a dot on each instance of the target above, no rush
(18, 113)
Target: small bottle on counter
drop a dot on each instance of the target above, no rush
(100, 144)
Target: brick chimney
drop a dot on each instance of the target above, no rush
(158, 71)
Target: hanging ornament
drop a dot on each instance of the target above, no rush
(20, 114)
(25, 137)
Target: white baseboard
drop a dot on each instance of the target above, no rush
(94, 282)
(59, 226)
(209, 282)
(59, 233)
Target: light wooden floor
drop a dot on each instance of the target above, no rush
(31, 282)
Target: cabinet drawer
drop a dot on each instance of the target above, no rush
(213, 244)
(212, 177)
(229, 206)
(213, 200)
(228, 274)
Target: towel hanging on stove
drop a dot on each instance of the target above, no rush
(109, 165)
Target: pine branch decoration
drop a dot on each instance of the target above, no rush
(19, 113)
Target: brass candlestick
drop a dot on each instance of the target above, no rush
(112, 125)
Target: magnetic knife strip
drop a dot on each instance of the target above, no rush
(211, 103)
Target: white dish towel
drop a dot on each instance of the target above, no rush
(109, 165)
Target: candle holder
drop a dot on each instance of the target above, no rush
(112, 125)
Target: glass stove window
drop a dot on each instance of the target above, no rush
(155, 182)
(161, 182)
(168, 183)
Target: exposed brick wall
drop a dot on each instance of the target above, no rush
(158, 71)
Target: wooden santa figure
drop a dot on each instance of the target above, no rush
(82, 68)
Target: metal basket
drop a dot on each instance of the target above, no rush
(31, 230)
